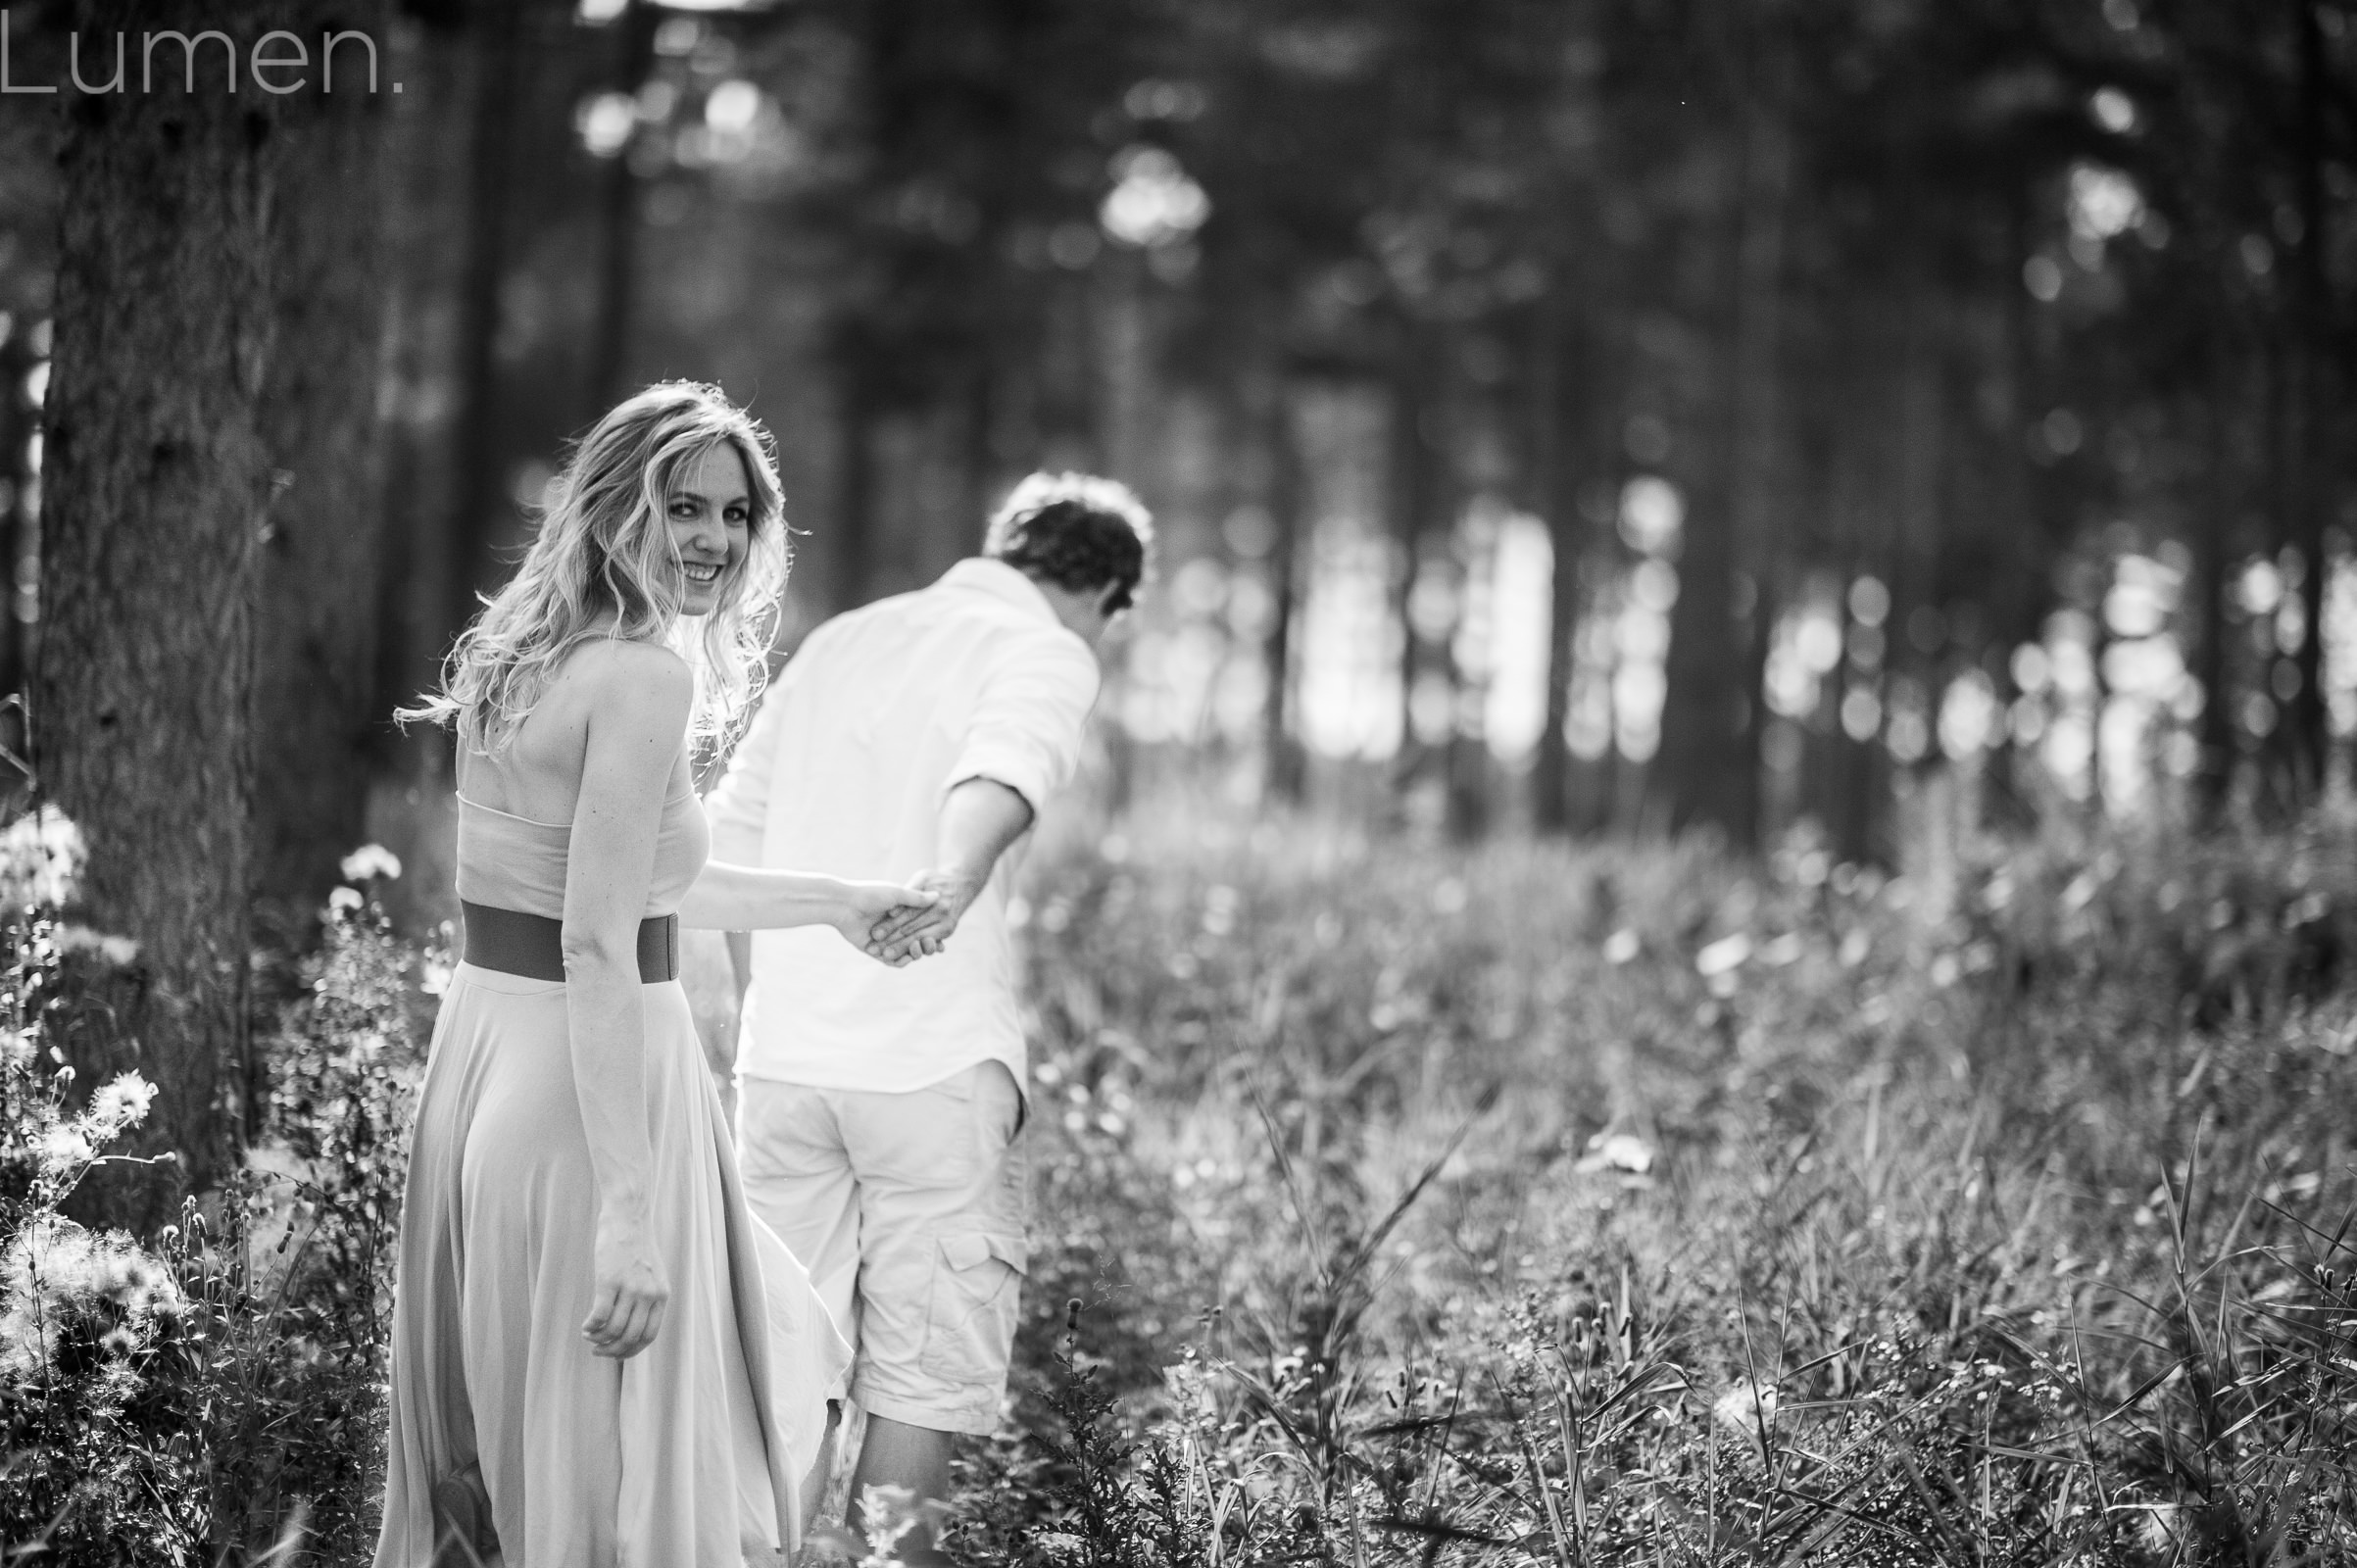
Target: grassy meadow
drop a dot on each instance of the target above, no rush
(1632, 1205)
(1399, 1203)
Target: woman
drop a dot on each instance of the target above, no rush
(592, 1341)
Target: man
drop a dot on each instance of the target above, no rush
(878, 1108)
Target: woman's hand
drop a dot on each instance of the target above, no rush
(865, 907)
(626, 1309)
(923, 930)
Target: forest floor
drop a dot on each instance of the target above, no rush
(1637, 1206)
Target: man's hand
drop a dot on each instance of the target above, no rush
(867, 906)
(920, 930)
(980, 818)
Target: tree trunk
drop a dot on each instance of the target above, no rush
(2308, 722)
(316, 638)
(1560, 455)
(1281, 747)
(19, 544)
(849, 544)
(1410, 492)
(617, 223)
(433, 133)
(1920, 421)
(480, 499)
(2213, 557)
(158, 479)
(1710, 725)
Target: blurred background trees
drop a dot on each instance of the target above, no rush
(1570, 415)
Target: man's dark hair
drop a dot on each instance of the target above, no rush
(1074, 530)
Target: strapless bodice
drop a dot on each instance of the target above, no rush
(513, 863)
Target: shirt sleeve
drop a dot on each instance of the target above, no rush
(738, 810)
(1026, 728)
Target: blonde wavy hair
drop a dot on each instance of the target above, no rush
(603, 547)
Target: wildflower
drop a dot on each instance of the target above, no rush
(1616, 1152)
(41, 856)
(57, 1275)
(65, 1149)
(1747, 1409)
(371, 861)
(123, 1103)
(132, 1280)
(888, 1513)
(344, 901)
(115, 950)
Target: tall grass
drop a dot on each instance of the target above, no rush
(1638, 1205)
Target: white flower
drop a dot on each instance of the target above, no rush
(343, 901)
(117, 950)
(56, 1272)
(371, 861)
(1747, 1407)
(123, 1103)
(41, 854)
(1616, 1152)
(65, 1149)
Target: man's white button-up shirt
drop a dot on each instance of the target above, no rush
(843, 769)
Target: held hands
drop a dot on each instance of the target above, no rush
(631, 1291)
(871, 907)
(921, 929)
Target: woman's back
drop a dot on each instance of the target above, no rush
(515, 807)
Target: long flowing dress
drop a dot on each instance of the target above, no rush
(682, 1454)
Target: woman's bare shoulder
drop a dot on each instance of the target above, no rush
(612, 668)
(636, 685)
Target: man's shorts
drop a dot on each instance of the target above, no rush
(907, 1209)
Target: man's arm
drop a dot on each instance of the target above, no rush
(981, 819)
(1022, 744)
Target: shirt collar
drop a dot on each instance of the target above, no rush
(1002, 582)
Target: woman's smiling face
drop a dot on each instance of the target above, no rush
(710, 515)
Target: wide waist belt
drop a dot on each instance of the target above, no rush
(533, 945)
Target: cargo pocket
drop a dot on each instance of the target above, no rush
(969, 1322)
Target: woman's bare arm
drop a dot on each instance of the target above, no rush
(746, 898)
(638, 702)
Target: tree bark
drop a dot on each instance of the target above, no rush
(20, 539)
(158, 481)
(316, 638)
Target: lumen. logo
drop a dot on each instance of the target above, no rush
(276, 63)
